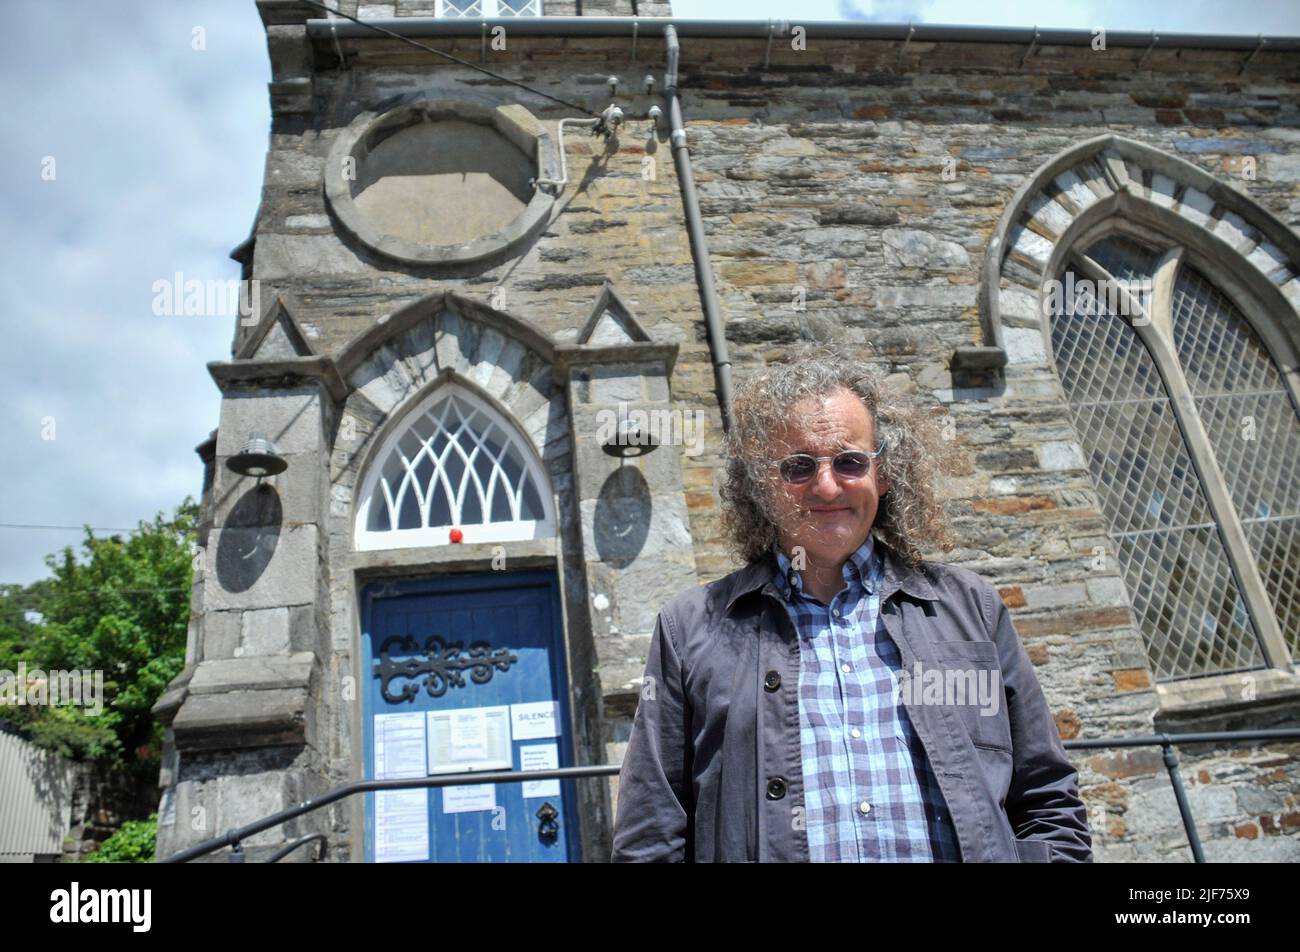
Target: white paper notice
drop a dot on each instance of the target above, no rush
(468, 735)
(401, 816)
(480, 796)
(401, 826)
(534, 720)
(469, 738)
(399, 745)
(540, 757)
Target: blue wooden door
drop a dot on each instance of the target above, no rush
(467, 672)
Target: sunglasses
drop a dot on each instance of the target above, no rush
(851, 464)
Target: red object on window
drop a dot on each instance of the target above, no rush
(456, 535)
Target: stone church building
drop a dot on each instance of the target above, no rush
(475, 269)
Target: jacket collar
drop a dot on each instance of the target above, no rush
(897, 575)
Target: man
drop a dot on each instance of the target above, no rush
(839, 698)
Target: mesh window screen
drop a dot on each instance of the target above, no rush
(1184, 593)
(1254, 430)
(1129, 261)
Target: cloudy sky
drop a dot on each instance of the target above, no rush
(132, 145)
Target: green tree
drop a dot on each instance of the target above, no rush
(123, 609)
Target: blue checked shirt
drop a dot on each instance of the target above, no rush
(869, 792)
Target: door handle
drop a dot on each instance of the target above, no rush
(548, 830)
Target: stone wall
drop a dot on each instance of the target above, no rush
(102, 801)
(849, 192)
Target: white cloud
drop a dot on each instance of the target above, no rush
(159, 151)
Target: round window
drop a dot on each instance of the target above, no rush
(442, 182)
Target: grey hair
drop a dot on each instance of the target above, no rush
(910, 516)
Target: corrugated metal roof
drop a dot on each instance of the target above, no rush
(35, 798)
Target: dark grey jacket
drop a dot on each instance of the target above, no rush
(713, 769)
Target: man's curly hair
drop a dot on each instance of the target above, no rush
(910, 516)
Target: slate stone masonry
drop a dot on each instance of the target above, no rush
(849, 194)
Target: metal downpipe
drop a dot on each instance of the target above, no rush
(695, 229)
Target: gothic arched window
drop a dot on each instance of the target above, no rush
(1193, 439)
(455, 463)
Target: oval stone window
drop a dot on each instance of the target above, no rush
(440, 182)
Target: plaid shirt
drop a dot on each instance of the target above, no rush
(870, 794)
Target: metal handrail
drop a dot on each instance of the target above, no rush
(302, 841)
(1167, 743)
(233, 837)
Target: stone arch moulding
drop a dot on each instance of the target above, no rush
(514, 128)
(396, 366)
(1114, 176)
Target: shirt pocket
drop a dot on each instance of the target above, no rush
(972, 684)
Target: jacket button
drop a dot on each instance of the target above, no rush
(776, 788)
(772, 681)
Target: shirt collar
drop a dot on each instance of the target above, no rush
(862, 567)
(895, 575)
